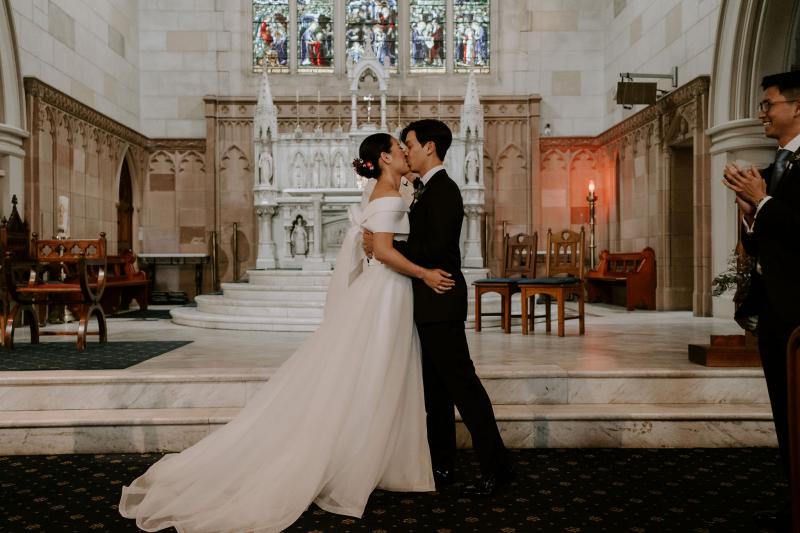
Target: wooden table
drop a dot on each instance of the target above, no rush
(150, 261)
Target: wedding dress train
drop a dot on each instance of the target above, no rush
(343, 415)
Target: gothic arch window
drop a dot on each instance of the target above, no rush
(378, 16)
(315, 35)
(427, 20)
(471, 35)
(271, 35)
(427, 36)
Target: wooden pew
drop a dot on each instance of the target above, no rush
(635, 270)
(124, 283)
(69, 272)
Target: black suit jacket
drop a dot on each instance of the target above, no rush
(433, 242)
(775, 241)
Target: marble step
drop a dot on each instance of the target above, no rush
(187, 316)
(289, 277)
(158, 430)
(279, 308)
(246, 291)
(25, 391)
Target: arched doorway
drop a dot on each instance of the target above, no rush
(125, 210)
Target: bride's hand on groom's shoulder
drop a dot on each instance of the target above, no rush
(438, 280)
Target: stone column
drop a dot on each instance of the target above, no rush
(316, 260)
(472, 243)
(383, 112)
(353, 107)
(267, 258)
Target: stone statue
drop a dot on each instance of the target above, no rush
(297, 171)
(298, 239)
(471, 170)
(339, 172)
(264, 168)
(317, 171)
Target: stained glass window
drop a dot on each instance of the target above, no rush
(427, 30)
(270, 35)
(315, 35)
(379, 17)
(471, 35)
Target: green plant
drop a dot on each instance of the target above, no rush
(736, 276)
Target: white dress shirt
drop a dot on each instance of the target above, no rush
(429, 174)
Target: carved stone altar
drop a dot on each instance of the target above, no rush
(304, 183)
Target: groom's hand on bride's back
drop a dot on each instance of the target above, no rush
(366, 242)
(438, 280)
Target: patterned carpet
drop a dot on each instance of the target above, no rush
(65, 356)
(570, 490)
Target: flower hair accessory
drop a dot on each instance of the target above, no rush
(359, 163)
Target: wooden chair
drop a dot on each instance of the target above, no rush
(793, 376)
(14, 240)
(564, 258)
(70, 272)
(519, 261)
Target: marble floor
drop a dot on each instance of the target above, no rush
(626, 383)
(615, 341)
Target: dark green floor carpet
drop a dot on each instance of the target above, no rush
(65, 355)
(150, 314)
(571, 490)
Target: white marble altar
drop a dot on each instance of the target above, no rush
(304, 182)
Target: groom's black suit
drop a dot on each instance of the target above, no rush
(773, 242)
(447, 370)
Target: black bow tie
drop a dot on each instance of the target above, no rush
(418, 184)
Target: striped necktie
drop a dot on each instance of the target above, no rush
(778, 169)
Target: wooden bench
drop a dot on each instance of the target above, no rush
(124, 283)
(70, 272)
(636, 270)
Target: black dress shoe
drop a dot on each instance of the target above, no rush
(443, 477)
(491, 484)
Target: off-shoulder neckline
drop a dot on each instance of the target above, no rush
(385, 198)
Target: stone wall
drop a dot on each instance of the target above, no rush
(84, 48)
(653, 184)
(538, 48)
(510, 152)
(653, 37)
(76, 153)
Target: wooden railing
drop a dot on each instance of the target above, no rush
(793, 375)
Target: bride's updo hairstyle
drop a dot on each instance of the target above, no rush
(369, 154)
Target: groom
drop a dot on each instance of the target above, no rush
(448, 373)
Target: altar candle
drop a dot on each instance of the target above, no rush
(591, 188)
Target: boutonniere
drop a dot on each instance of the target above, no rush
(792, 160)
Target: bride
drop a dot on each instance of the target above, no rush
(342, 416)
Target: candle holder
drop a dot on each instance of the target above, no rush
(592, 199)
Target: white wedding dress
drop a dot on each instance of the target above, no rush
(343, 415)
